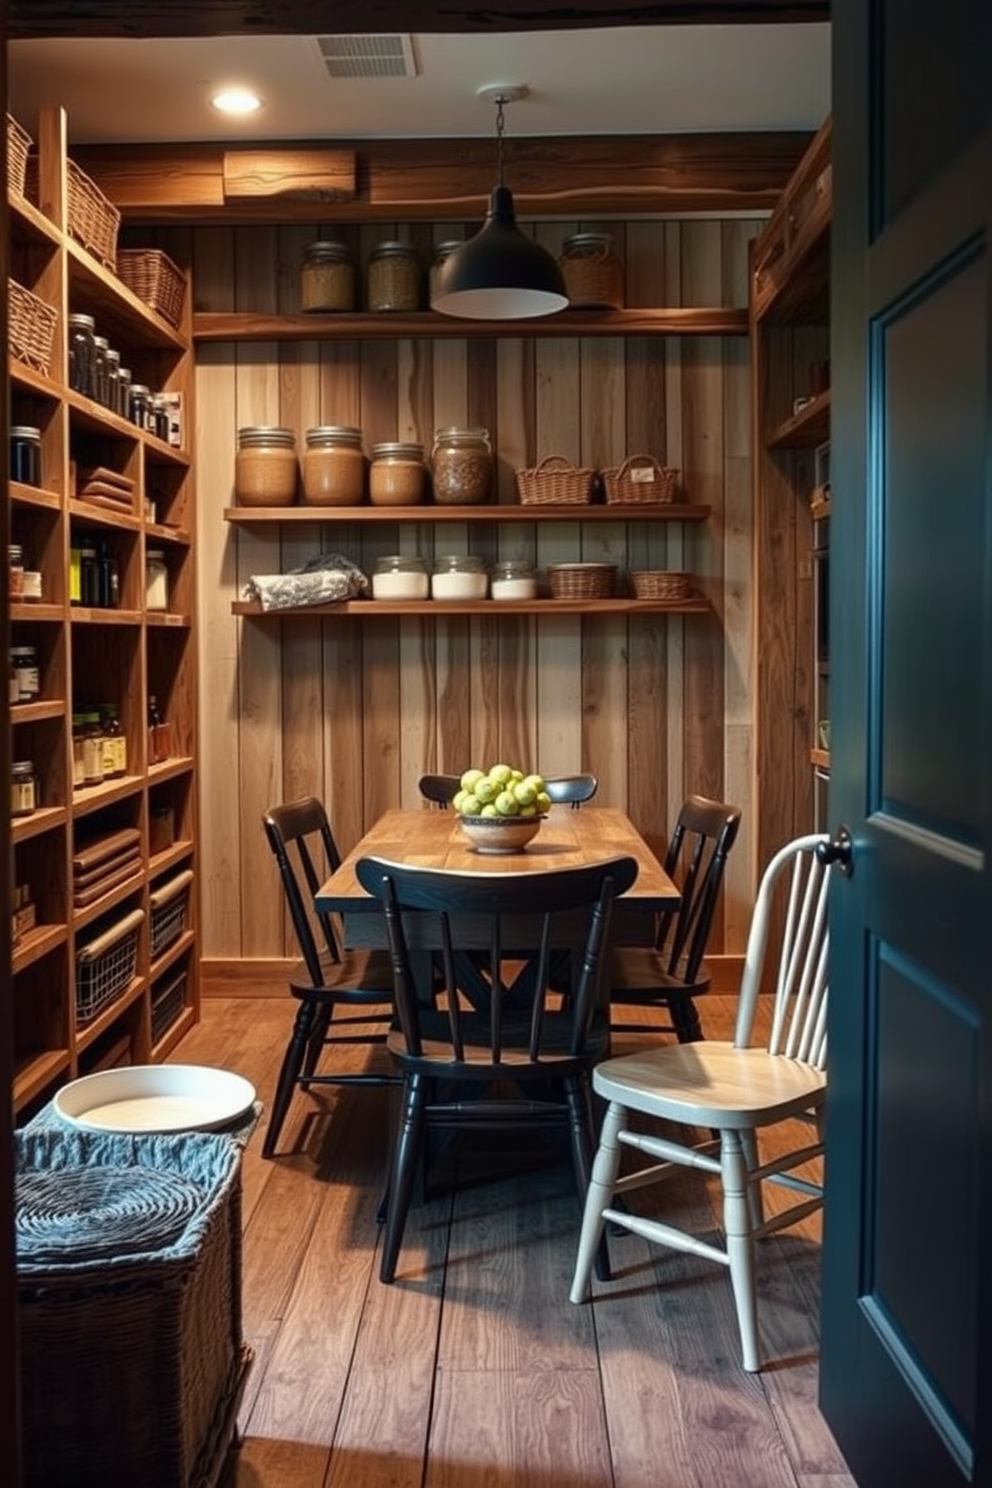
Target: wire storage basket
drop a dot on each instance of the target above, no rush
(105, 965)
(19, 143)
(555, 481)
(168, 1001)
(582, 580)
(155, 279)
(659, 584)
(641, 479)
(169, 904)
(91, 219)
(30, 328)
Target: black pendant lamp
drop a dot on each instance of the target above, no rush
(501, 273)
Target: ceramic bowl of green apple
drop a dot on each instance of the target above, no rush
(500, 809)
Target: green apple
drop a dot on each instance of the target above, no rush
(471, 805)
(537, 781)
(500, 775)
(458, 798)
(486, 791)
(516, 776)
(525, 793)
(507, 804)
(471, 779)
(489, 810)
(530, 810)
(543, 802)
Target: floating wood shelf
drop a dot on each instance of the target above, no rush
(673, 511)
(375, 609)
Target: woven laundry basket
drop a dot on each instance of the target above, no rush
(129, 1306)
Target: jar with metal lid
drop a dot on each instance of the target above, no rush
(593, 272)
(81, 332)
(459, 576)
(78, 729)
(156, 580)
(334, 466)
(266, 469)
(327, 278)
(101, 384)
(24, 669)
(442, 251)
(113, 361)
(397, 475)
(400, 576)
(15, 561)
(394, 277)
(462, 467)
(92, 749)
(25, 454)
(23, 788)
(124, 392)
(513, 578)
(160, 417)
(141, 406)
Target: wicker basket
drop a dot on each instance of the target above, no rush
(661, 585)
(155, 279)
(640, 480)
(555, 482)
(31, 328)
(18, 145)
(106, 965)
(92, 220)
(132, 1360)
(582, 580)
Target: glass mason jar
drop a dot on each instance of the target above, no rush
(400, 576)
(442, 251)
(394, 277)
(462, 467)
(156, 580)
(513, 578)
(25, 454)
(334, 466)
(397, 475)
(266, 470)
(140, 406)
(459, 576)
(593, 273)
(15, 571)
(327, 278)
(101, 371)
(81, 333)
(23, 788)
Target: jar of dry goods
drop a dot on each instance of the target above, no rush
(397, 475)
(513, 578)
(462, 467)
(459, 576)
(400, 576)
(442, 251)
(334, 466)
(327, 279)
(265, 467)
(23, 788)
(593, 272)
(394, 277)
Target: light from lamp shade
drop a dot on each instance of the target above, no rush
(500, 274)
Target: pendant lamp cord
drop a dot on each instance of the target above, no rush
(500, 126)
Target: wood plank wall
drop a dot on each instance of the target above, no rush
(354, 711)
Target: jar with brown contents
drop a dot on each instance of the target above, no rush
(327, 279)
(266, 470)
(394, 277)
(397, 475)
(462, 467)
(593, 273)
(442, 251)
(334, 466)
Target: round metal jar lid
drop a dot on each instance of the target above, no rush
(397, 451)
(392, 247)
(334, 434)
(24, 431)
(328, 251)
(263, 434)
(587, 240)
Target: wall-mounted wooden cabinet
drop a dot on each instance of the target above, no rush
(104, 965)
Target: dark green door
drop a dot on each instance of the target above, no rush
(906, 1365)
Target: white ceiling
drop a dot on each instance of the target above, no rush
(629, 80)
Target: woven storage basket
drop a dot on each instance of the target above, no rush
(18, 145)
(660, 584)
(155, 279)
(639, 480)
(92, 219)
(582, 580)
(129, 1305)
(30, 328)
(555, 482)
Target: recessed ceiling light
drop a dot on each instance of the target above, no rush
(236, 101)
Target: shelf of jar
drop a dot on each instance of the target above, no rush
(671, 511)
(37, 1073)
(42, 819)
(23, 495)
(80, 615)
(393, 326)
(805, 429)
(177, 764)
(87, 798)
(36, 943)
(34, 611)
(167, 620)
(36, 712)
(371, 609)
(110, 900)
(88, 1033)
(98, 419)
(163, 533)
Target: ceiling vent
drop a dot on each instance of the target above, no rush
(368, 56)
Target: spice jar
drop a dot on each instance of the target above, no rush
(334, 466)
(394, 277)
(327, 278)
(156, 580)
(442, 251)
(459, 577)
(114, 743)
(513, 578)
(101, 372)
(24, 671)
(265, 466)
(592, 271)
(462, 467)
(23, 788)
(25, 454)
(15, 580)
(399, 576)
(92, 749)
(140, 407)
(80, 335)
(397, 475)
(78, 729)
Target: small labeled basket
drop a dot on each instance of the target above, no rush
(30, 328)
(582, 580)
(105, 966)
(154, 278)
(640, 480)
(555, 482)
(18, 146)
(661, 585)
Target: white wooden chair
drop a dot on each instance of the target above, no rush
(734, 1089)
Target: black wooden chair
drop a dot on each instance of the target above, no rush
(458, 1060)
(439, 789)
(672, 973)
(327, 978)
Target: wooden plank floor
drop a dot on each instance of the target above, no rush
(473, 1370)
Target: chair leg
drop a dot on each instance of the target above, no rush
(755, 1198)
(685, 1020)
(578, 1093)
(289, 1073)
(316, 1041)
(740, 1243)
(406, 1158)
(599, 1194)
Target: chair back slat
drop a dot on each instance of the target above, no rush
(703, 835)
(301, 830)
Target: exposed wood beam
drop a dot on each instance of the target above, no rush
(35, 18)
(429, 179)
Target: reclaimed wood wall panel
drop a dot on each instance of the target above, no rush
(355, 711)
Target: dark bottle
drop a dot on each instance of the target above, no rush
(109, 586)
(89, 572)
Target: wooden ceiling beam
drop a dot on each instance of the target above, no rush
(413, 180)
(38, 18)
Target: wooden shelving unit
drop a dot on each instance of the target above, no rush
(97, 655)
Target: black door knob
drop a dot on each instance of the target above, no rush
(839, 850)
